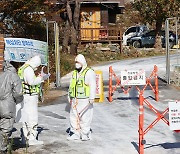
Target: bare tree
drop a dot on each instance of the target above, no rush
(71, 29)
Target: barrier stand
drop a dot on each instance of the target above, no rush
(142, 100)
(111, 90)
(148, 82)
(160, 116)
(142, 132)
(141, 123)
(156, 83)
(118, 82)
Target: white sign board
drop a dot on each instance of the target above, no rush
(21, 49)
(130, 77)
(174, 115)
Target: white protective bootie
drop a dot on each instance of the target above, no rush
(73, 137)
(90, 135)
(35, 142)
(85, 138)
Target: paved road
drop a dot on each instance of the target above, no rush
(115, 125)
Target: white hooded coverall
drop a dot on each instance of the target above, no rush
(81, 127)
(29, 111)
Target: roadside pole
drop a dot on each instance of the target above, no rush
(167, 51)
(175, 19)
(56, 50)
(57, 54)
(47, 35)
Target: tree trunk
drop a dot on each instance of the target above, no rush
(73, 19)
(158, 42)
(66, 37)
(74, 42)
(76, 15)
(75, 29)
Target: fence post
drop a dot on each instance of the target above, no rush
(110, 84)
(120, 42)
(1, 52)
(141, 123)
(92, 36)
(156, 84)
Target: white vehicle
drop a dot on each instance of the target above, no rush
(134, 31)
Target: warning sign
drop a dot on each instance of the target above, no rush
(98, 84)
(99, 87)
(174, 115)
(133, 77)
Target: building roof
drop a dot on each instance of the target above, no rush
(119, 2)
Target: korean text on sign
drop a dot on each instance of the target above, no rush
(133, 77)
(21, 49)
(174, 115)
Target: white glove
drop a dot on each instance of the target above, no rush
(91, 101)
(69, 99)
(42, 71)
(44, 75)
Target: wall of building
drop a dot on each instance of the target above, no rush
(104, 17)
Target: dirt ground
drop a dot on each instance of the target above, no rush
(51, 95)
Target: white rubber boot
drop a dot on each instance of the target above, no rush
(73, 137)
(85, 138)
(35, 142)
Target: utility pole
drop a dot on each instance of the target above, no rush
(56, 50)
(47, 40)
(57, 54)
(168, 71)
(167, 51)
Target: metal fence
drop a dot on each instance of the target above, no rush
(100, 34)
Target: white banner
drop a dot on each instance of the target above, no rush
(174, 115)
(130, 77)
(21, 49)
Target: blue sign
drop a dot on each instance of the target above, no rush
(21, 49)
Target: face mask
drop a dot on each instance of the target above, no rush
(77, 65)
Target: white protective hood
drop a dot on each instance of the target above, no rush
(81, 59)
(34, 62)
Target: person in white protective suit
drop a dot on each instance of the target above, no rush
(82, 91)
(31, 87)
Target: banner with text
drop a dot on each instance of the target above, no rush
(21, 49)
